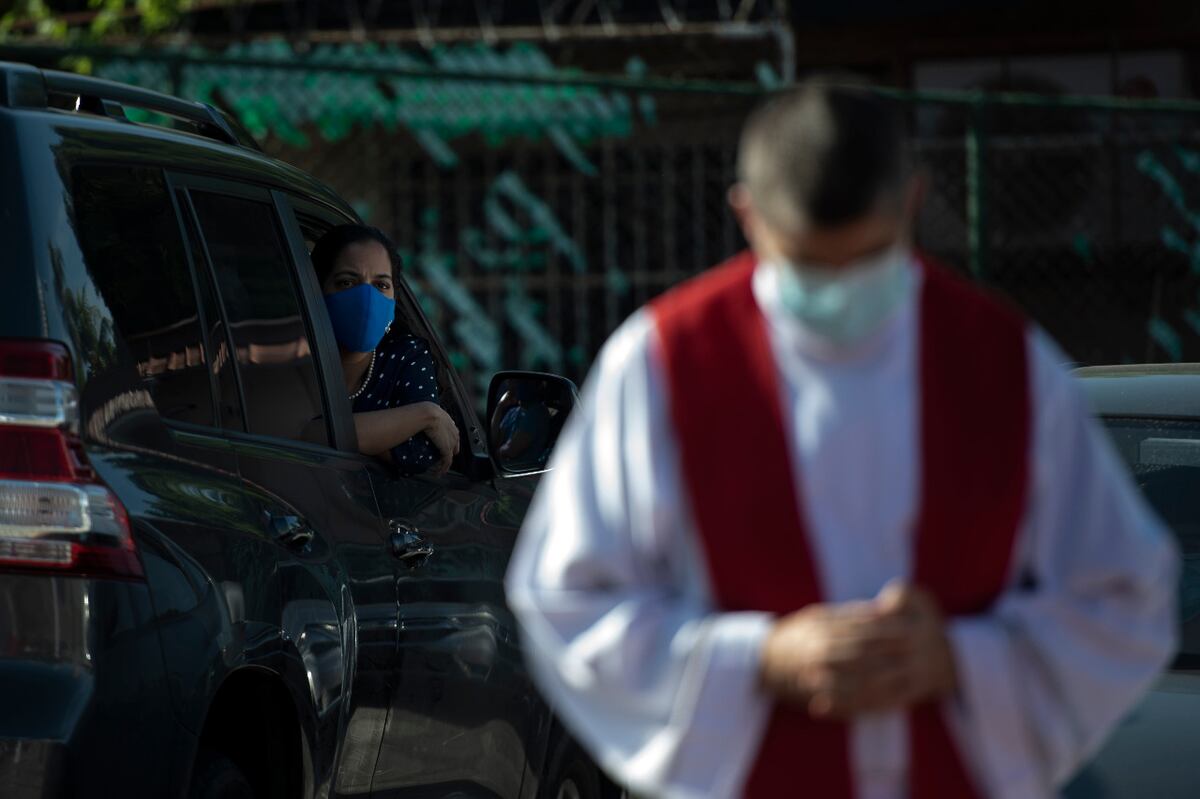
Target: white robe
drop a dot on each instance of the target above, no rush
(625, 642)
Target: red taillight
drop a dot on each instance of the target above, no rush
(55, 514)
(41, 454)
(41, 360)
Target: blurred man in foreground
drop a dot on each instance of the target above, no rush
(831, 522)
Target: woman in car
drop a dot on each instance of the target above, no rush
(391, 378)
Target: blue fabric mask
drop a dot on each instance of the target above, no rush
(360, 317)
(845, 305)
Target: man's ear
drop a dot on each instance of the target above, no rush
(738, 198)
(914, 195)
(743, 209)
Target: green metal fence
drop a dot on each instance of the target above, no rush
(537, 208)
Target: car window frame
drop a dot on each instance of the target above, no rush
(178, 200)
(335, 425)
(189, 227)
(343, 436)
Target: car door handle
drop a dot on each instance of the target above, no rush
(289, 531)
(408, 547)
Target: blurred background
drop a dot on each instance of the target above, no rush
(547, 166)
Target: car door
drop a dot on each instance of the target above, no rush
(1154, 751)
(149, 412)
(463, 711)
(337, 582)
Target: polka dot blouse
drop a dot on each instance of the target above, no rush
(404, 373)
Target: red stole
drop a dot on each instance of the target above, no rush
(725, 401)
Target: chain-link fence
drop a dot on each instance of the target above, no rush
(1087, 218)
(1085, 214)
(536, 210)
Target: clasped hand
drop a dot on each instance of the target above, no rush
(845, 659)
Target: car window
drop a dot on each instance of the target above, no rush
(129, 233)
(229, 402)
(254, 279)
(409, 319)
(1164, 456)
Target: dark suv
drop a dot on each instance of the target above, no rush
(204, 589)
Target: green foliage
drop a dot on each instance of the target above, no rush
(44, 24)
(35, 19)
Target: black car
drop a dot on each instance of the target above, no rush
(1152, 414)
(204, 589)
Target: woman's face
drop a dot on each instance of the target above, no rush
(361, 262)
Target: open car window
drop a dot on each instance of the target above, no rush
(410, 320)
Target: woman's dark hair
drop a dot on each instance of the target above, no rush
(326, 251)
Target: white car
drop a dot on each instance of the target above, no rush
(1152, 413)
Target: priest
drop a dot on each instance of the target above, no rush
(830, 521)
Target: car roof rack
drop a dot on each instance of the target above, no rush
(24, 86)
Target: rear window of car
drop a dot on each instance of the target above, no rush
(1164, 457)
(131, 239)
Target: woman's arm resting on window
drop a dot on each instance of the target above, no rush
(380, 431)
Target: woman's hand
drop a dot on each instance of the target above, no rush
(443, 432)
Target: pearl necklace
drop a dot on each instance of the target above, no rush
(370, 370)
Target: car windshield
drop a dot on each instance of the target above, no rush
(1164, 456)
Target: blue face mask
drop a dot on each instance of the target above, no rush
(846, 304)
(360, 317)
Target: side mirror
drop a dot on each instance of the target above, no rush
(526, 412)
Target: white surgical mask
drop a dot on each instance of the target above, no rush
(845, 304)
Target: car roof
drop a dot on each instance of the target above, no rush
(1144, 390)
(25, 94)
